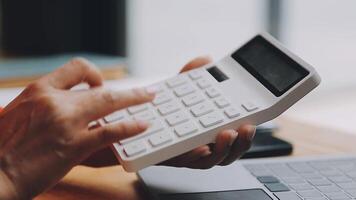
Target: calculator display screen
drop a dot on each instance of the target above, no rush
(269, 65)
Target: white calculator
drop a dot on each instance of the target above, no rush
(253, 85)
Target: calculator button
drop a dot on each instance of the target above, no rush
(183, 90)
(221, 102)
(201, 109)
(249, 106)
(145, 116)
(116, 116)
(212, 92)
(137, 109)
(192, 99)
(203, 83)
(155, 126)
(195, 74)
(161, 98)
(231, 112)
(211, 119)
(178, 80)
(176, 118)
(185, 129)
(134, 148)
(168, 108)
(159, 139)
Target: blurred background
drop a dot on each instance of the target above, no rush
(153, 39)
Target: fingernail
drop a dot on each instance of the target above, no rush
(234, 135)
(142, 124)
(252, 132)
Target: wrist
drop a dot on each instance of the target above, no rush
(7, 189)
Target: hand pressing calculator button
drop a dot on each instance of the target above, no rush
(155, 126)
(254, 84)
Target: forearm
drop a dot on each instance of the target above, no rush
(7, 190)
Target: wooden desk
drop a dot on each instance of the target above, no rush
(114, 183)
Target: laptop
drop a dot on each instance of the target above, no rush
(289, 178)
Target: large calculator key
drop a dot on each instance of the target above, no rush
(168, 108)
(201, 109)
(249, 106)
(192, 99)
(231, 112)
(185, 129)
(212, 92)
(221, 102)
(116, 116)
(137, 109)
(178, 80)
(155, 126)
(183, 90)
(195, 74)
(176, 118)
(159, 139)
(145, 116)
(134, 148)
(203, 83)
(211, 119)
(161, 98)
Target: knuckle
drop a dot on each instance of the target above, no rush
(82, 63)
(34, 88)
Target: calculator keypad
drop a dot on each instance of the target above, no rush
(183, 106)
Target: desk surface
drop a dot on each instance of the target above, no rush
(114, 183)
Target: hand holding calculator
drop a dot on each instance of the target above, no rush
(254, 84)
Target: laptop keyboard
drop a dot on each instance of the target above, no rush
(333, 179)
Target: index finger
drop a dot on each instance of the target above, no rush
(97, 103)
(76, 71)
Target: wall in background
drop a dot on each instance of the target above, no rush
(164, 35)
(323, 32)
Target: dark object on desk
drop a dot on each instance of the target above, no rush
(265, 145)
(251, 194)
